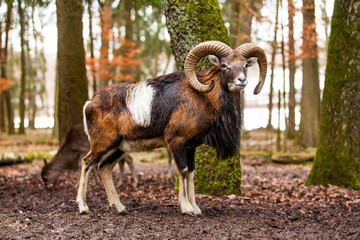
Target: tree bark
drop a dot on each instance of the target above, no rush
(73, 89)
(240, 27)
(189, 23)
(23, 70)
(273, 54)
(7, 93)
(92, 55)
(2, 99)
(310, 94)
(292, 70)
(338, 151)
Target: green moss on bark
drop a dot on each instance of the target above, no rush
(191, 22)
(217, 177)
(337, 158)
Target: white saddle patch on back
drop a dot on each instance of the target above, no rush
(139, 102)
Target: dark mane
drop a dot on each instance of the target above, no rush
(224, 133)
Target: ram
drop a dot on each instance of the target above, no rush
(179, 111)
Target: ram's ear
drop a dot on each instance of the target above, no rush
(214, 60)
(251, 61)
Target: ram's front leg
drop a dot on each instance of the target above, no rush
(190, 189)
(185, 206)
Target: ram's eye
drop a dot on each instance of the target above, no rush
(224, 66)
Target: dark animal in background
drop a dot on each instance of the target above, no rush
(179, 111)
(73, 148)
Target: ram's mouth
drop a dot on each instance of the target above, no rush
(236, 87)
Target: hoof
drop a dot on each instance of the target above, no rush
(84, 212)
(124, 213)
(189, 214)
(198, 214)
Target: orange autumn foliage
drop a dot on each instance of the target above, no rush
(5, 84)
(122, 58)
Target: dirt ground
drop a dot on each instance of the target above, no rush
(275, 204)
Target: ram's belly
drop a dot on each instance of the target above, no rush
(141, 145)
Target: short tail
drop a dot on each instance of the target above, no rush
(85, 120)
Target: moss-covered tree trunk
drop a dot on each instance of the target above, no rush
(337, 158)
(189, 23)
(310, 93)
(73, 88)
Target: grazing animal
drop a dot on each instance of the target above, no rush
(179, 111)
(74, 147)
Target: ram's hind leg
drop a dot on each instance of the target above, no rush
(84, 175)
(106, 168)
(128, 159)
(178, 149)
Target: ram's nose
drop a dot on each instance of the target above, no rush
(241, 82)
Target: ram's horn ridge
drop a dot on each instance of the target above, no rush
(201, 50)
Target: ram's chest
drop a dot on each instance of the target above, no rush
(139, 101)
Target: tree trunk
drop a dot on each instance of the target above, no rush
(105, 18)
(273, 54)
(338, 151)
(189, 23)
(310, 94)
(73, 89)
(2, 113)
(240, 27)
(2, 99)
(7, 93)
(31, 88)
(284, 86)
(92, 55)
(23, 69)
(129, 32)
(292, 70)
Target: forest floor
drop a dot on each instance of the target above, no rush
(275, 204)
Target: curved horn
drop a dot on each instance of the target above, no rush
(216, 48)
(251, 50)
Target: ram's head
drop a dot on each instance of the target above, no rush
(232, 63)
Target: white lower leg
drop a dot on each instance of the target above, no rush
(191, 193)
(81, 196)
(106, 175)
(185, 206)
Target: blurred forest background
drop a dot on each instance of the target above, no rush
(57, 54)
(128, 41)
